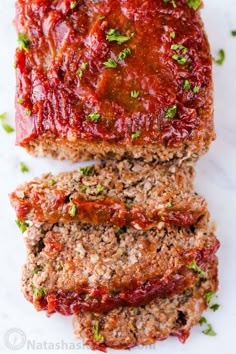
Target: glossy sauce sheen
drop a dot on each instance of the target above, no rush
(61, 39)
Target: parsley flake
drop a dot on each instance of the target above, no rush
(8, 128)
(171, 112)
(113, 35)
(233, 33)
(187, 85)
(28, 112)
(73, 4)
(96, 335)
(100, 189)
(135, 135)
(172, 34)
(215, 307)
(83, 67)
(209, 331)
(94, 117)
(124, 54)
(202, 321)
(180, 52)
(169, 205)
(23, 226)
(172, 2)
(21, 100)
(110, 64)
(194, 4)
(23, 41)
(209, 296)
(193, 266)
(23, 167)
(196, 89)
(72, 210)
(87, 171)
(39, 292)
(52, 182)
(221, 58)
(134, 94)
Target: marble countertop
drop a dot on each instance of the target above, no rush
(24, 330)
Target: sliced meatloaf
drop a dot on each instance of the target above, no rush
(76, 266)
(117, 193)
(113, 78)
(127, 327)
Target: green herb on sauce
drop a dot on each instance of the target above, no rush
(52, 182)
(171, 2)
(135, 135)
(87, 171)
(187, 85)
(100, 189)
(194, 4)
(169, 205)
(179, 56)
(23, 167)
(171, 112)
(110, 64)
(113, 35)
(193, 266)
(124, 54)
(96, 335)
(23, 226)
(72, 210)
(28, 112)
(209, 298)
(172, 34)
(94, 117)
(83, 67)
(73, 5)
(39, 292)
(134, 94)
(221, 58)
(21, 100)
(233, 33)
(23, 42)
(196, 89)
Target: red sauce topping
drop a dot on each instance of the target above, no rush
(62, 77)
(56, 208)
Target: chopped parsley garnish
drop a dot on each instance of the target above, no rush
(233, 33)
(72, 210)
(221, 58)
(209, 297)
(134, 94)
(202, 320)
(8, 128)
(169, 205)
(171, 112)
(23, 167)
(179, 56)
(87, 171)
(113, 35)
(110, 64)
(124, 54)
(23, 41)
(21, 101)
(172, 2)
(83, 66)
(196, 89)
(94, 117)
(194, 4)
(120, 230)
(193, 266)
(83, 188)
(28, 112)
(209, 331)
(214, 307)
(23, 226)
(187, 85)
(135, 135)
(100, 189)
(73, 4)
(39, 292)
(52, 182)
(172, 34)
(96, 335)
(36, 270)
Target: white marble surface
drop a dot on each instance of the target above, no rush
(216, 180)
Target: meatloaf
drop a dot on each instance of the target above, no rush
(118, 78)
(75, 266)
(124, 328)
(116, 193)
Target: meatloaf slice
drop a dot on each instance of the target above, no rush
(97, 268)
(124, 328)
(113, 78)
(121, 194)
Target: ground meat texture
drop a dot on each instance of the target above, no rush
(124, 328)
(97, 268)
(154, 103)
(121, 194)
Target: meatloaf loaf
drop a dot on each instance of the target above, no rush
(75, 266)
(125, 328)
(121, 194)
(113, 78)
